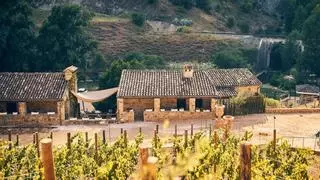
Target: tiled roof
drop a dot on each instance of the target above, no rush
(32, 86)
(160, 83)
(307, 88)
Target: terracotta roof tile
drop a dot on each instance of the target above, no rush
(32, 86)
(160, 83)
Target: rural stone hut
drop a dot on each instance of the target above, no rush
(37, 98)
(308, 93)
(153, 95)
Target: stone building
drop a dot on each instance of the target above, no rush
(308, 93)
(38, 98)
(153, 95)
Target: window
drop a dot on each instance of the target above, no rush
(12, 107)
(199, 103)
(181, 103)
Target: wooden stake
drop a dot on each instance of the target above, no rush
(157, 128)
(17, 140)
(47, 159)
(9, 135)
(185, 139)
(121, 131)
(245, 161)
(140, 130)
(215, 138)
(155, 136)
(210, 131)
(96, 146)
(191, 133)
(69, 140)
(176, 131)
(125, 138)
(274, 140)
(34, 138)
(87, 139)
(51, 135)
(37, 143)
(104, 137)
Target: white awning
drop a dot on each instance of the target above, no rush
(95, 96)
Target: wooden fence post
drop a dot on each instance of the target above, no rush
(104, 137)
(47, 159)
(34, 138)
(157, 128)
(10, 138)
(51, 135)
(69, 140)
(140, 130)
(245, 161)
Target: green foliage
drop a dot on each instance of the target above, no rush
(273, 103)
(244, 27)
(16, 36)
(184, 29)
(138, 19)
(204, 4)
(230, 22)
(247, 5)
(311, 40)
(290, 52)
(64, 41)
(233, 58)
(153, 1)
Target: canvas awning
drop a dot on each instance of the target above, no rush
(95, 96)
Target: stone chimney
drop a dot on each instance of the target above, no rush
(187, 71)
(70, 75)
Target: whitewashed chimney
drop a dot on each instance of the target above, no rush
(187, 71)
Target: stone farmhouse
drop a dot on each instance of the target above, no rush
(38, 98)
(152, 95)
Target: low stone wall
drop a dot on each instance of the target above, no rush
(292, 110)
(28, 119)
(127, 116)
(84, 122)
(177, 115)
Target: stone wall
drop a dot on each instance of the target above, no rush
(253, 89)
(127, 116)
(292, 110)
(179, 115)
(168, 103)
(42, 107)
(28, 119)
(138, 104)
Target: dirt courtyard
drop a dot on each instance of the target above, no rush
(302, 127)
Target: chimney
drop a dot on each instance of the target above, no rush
(70, 75)
(187, 71)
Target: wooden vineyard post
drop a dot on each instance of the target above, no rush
(140, 130)
(125, 138)
(10, 138)
(104, 137)
(34, 138)
(17, 140)
(87, 139)
(157, 128)
(185, 139)
(36, 135)
(155, 136)
(121, 131)
(210, 131)
(245, 161)
(96, 146)
(51, 135)
(47, 159)
(175, 131)
(274, 140)
(191, 132)
(69, 140)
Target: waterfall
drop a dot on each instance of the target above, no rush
(264, 51)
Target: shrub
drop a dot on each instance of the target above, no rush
(229, 58)
(230, 22)
(152, 1)
(244, 27)
(138, 19)
(273, 103)
(184, 29)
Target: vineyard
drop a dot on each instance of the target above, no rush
(203, 155)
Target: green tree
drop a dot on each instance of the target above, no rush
(287, 9)
(290, 51)
(16, 36)
(229, 58)
(63, 39)
(311, 40)
(203, 4)
(138, 19)
(299, 17)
